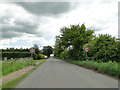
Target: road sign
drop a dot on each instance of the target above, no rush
(32, 50)
(86, 49)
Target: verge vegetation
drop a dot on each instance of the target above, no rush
(12, 83)
(9, 66)
(104, 50)
(109, 68)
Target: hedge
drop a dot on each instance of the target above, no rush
(13, 55)
(35, 56)
(39, 56)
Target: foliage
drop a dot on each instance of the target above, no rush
(13, 65)
(37, 51)
(110, 68)
(73, 38)
(104, 51)
(118, 46)
(13, 55)
(41, 56)
(15, 50)
(103, 48)
(58, 49)
(35, 56)
(47, 50)
(13, 83)
(65, 54)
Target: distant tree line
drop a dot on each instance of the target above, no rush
(22, 53)
(14, 55)
(15, 50)
(47, 50)
(40, 54)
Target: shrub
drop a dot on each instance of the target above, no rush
(41, 56)
(64, 54)
(38, 56)
(35, 57)
(103, 48)
(10, 55)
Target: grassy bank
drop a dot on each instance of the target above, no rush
(110, 68)
(14, 65)
(12, 84)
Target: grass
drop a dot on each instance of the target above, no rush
(110, 68)
(14, 65)
(0, 72)
(12, 84)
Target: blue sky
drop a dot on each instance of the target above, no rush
(48, 38)
(20, 43)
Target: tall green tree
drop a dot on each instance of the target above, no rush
(74, 36)
(37, 51)
(47, 50)
(59, 47)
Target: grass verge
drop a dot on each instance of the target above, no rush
(109, 68)
(10, 66)
(14, 65)
(12, 84)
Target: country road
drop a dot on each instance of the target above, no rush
(55, 73)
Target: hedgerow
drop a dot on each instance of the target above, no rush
(13, 55)
(38, 56)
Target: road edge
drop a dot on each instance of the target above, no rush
(13, 83)
(115, 77)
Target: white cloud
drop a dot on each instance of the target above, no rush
(7, 42)
(100, 15)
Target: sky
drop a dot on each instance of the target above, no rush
(24, 24)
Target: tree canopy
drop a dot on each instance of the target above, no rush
(73, 38)
(47, 50)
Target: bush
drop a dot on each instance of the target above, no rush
(103, 48)
(64, 54)
(41, 56)
(10, 55)
(35, 57)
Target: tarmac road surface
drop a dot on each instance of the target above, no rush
(54, 73)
